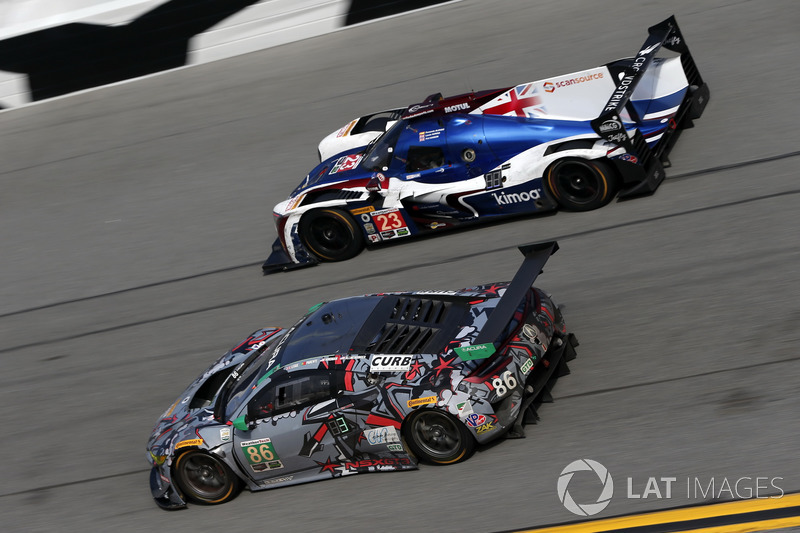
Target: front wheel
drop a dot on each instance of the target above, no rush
(580, 184)
(331, 234)
(204, 479)
(436, 437)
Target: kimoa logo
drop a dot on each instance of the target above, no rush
(517, 197)
(586, 509)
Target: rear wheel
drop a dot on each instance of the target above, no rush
(436, 437)
(331, 234)
(204, 479)
(581, 184)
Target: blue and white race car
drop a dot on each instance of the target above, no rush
(574, 142)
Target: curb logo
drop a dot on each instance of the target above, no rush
(586, 509)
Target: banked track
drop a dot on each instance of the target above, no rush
(135, 218)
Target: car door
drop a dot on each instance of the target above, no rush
(298, 421)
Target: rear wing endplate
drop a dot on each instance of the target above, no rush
(666, 34)
(536, 255)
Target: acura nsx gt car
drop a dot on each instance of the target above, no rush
(574, 141)
(365, 384)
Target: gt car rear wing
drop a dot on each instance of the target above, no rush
(536, 255)
(609, 125)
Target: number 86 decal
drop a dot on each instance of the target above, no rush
(504, 384)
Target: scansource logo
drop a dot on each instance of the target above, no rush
(586, 509)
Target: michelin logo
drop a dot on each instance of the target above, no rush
(516, 198)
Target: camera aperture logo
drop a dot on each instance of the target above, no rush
(585, 509)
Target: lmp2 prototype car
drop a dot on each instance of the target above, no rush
(574, 141)
(365, 384)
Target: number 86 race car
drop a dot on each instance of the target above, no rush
(574, 141)
(365, 384)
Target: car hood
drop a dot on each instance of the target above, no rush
(179, 426)
(342, 167)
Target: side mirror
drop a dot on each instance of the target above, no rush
(241, 423)
(247, 421)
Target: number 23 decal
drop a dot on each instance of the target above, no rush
(389, 221)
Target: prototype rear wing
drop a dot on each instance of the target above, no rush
(536, 255)
(609, 125)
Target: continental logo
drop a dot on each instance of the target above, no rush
(550, 86)
(189, 442)
(362, 210)
(421, 401)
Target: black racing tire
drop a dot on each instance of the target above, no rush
(203, 478)
(581, 184)
(437, 437)
(331, 234)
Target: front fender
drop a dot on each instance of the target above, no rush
(164, 492)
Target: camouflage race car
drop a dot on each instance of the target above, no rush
(365, 384)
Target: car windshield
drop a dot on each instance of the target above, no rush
(329, 330)
(379, 155)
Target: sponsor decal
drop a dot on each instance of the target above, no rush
(421, 401)
(362, 210)
(645, 51)
(517, 197)
(464, 410)
(619, 93)
(189, 442)
(344, 163)
(381, 435)
(629, 157)
(526, 366)
(401, 232)
(673, 41)
(610, 125)
(263, 467)
(419, 107)
(395, 447)
(225, 434)
(430, 135)
(295, 202)
(387, 234)
(386, 463)
(434, 225)
(456, 107)
(530, 331)
(475, 351)
(345, 130)
(485, 428)
(390, 363)
(551, 86)
(374, 238)
(277, 480)
(475, 420)
(369, 227)
(617, 137)
(441, 293)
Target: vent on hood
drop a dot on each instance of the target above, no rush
(410, 324)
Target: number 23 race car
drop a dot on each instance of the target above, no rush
(574, 141)
(365, 384)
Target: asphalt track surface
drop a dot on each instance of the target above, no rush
(133, 221)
